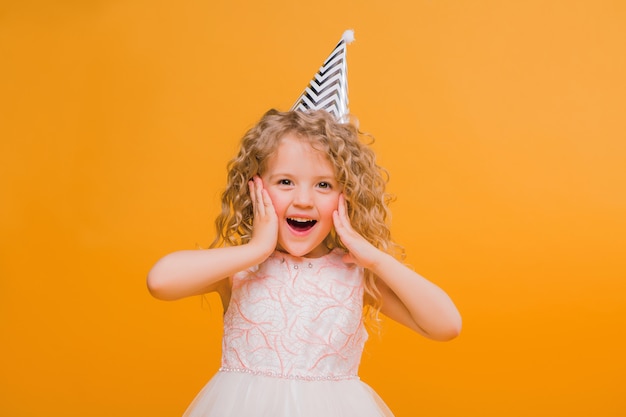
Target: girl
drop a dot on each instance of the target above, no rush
(302, 245)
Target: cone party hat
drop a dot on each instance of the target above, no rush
(328, 90)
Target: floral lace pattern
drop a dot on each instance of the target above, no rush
(296, 318)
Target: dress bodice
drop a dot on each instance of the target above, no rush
(297, 318)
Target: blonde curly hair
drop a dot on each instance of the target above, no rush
(362, 180)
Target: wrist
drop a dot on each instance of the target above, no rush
(259, 252)
(380, 262)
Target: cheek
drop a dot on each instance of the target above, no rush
(278, 202)
(329, 206)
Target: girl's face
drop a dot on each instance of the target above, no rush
(304, 191)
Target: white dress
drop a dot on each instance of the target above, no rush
(293, 339)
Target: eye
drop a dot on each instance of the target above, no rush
(285, 182)
(325, 185)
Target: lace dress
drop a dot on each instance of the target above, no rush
(293, 339)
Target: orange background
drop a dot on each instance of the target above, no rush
(502, 124)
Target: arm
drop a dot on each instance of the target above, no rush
(412, 300)
(194, 272)
(407, 297)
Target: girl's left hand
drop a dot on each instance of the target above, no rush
(360, 251)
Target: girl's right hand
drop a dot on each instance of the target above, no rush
(194, 272)
(265, 222)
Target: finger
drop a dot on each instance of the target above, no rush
(341, 207)
(343, 213)
(341, 227)
(252, 195)
(337, 221)
(258, 187)
(267, 200)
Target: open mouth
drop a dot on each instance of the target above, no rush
(300, 225)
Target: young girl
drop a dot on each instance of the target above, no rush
(303, 244)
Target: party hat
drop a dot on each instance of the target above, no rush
(328, 90)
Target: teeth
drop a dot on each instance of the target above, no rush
(300, 219)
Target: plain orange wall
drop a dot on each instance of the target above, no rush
(502, 124)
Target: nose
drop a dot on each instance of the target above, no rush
(303, 197)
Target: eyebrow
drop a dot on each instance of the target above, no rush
(327, 178)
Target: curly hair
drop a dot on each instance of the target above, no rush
(362, 180)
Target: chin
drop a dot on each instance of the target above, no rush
(298, 250)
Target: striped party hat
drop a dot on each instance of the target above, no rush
(328, 90)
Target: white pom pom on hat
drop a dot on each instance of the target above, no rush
(348, 36)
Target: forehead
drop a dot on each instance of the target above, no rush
(296, 154)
